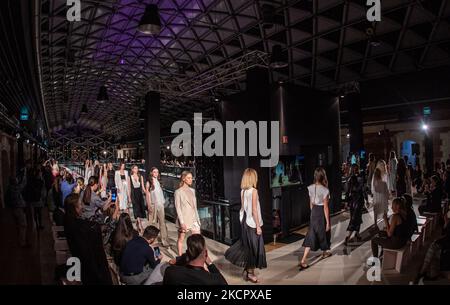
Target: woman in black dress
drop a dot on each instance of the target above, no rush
(355, 194)
(110, 175)
(248, 252)
(401, 177)
(319, 232)
(137, 196)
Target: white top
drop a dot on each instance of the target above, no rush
(247, 199)
(317, 194)
(136, 183)
(157, 193)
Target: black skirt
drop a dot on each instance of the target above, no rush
(356, 205)
(317, 236)
(137, 199)
(248, 251)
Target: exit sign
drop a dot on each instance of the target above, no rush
(427, 110)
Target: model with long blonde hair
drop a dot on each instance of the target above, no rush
(248, 252)
(186, 206)
(319, 232)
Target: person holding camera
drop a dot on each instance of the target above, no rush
(139, 259)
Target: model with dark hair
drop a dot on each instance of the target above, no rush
(136, 189)
(122, 182)
(319, 232)
(155, 201)
(355, 195)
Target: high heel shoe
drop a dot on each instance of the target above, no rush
(251, 278)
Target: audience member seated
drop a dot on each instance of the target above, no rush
(411, 217)
(85, 241)
(67, 186)
(434, 197)
(123, 233)
(139, 259)
(194, 272)
(431, 268)
(92, 202)
(396, 233)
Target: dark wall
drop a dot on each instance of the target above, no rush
(310, 120)
(253, 104)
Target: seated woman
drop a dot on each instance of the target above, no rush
(85, 241)
(396, 233)
(434, 197)
(431, 268)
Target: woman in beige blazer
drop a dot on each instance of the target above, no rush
(186, 206)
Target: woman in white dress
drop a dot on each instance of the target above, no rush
(122, 180)
(380, 193)
(186, 206)
(89, 170)
(392, 171)
(381, 165)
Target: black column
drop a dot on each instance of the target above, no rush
(353, 101)
(20, 159)
(428, 141)
(152, 127)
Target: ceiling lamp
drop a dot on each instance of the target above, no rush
(268, 16)
(150, 23)
(278, 59)
(102, 96)
(84, 109)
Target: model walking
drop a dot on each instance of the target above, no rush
(137, 197)
(356, 203)
(122, 181)
(319, 232)
(248, 251)
(186, 206)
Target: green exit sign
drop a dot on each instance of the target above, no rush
(427, 110)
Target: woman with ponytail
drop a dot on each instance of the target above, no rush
(91, 200)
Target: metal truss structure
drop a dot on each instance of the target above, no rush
(204, 46)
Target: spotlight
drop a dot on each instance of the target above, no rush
(150, 23)
(105, 152)
(28, 141)
(342, 96)
(348, 136)
(424, 126)
(278, 60)
(181, 146)
(268, 16)
(216, 99)
(168, 147)
(18, 135)
(102, 96)
(122, 61)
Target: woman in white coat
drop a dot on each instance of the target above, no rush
(122, 180)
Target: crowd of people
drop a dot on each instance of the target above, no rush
(382, 181)
(115, 217)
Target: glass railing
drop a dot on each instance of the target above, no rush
(219, 219)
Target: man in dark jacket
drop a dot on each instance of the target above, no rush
(194, 273)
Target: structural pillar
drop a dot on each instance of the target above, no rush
(428, 141)
(152, 127)
(353, 101)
